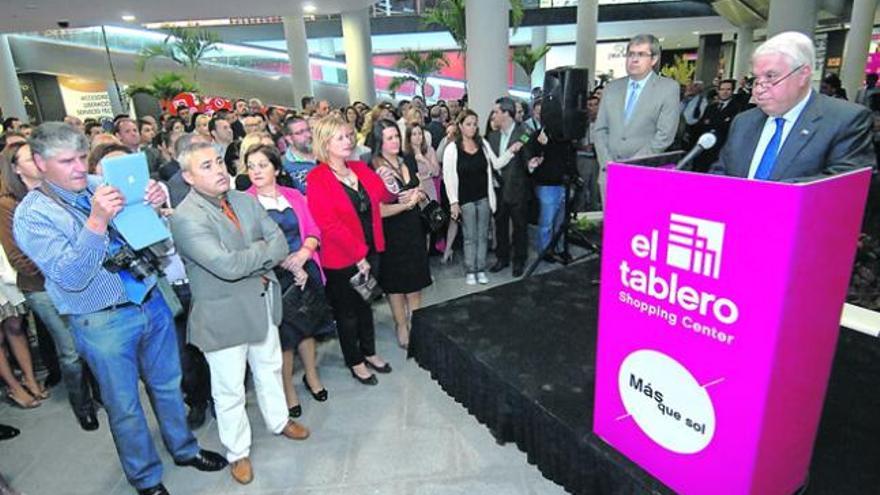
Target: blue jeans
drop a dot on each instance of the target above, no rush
(122, 345)
(552, 201)
(475, 233)
(71, 366)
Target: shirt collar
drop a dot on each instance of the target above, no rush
(509, 130)
(643, 81)
(214, 201)
(792, 115)
(296, 157)
(69, 197)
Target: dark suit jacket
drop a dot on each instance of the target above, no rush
(831, 136)
(717, 121)
(437, 131)
(514, 175)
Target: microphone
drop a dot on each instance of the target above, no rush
(705, 142)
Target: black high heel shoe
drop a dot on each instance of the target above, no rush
(320, 395)
(295, 411)
(364, 381)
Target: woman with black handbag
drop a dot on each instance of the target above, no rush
(306, 314)
(405, 271)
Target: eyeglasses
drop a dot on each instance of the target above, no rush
(765, 83)
(638, 55)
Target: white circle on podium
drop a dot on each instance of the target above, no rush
(666, 401)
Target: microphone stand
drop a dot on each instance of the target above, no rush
(571, 236)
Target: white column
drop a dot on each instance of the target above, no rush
(358, 56)
(539, 39)
(858, 40)
(327, 49)
(298, 53)
(792, 15)
(486, 24)
(10, 90)
(587, 28)
(742, 58)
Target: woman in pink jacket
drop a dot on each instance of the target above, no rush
(307, 315)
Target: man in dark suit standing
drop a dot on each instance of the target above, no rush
(794, 134)
(717, 119)
(512, 189)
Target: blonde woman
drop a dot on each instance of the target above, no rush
(345, 200)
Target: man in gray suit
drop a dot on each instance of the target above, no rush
(794, 134)
(230, 246)
(638, 115)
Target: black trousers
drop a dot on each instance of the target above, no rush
(195, 376)
(354, 316)
(507, 213)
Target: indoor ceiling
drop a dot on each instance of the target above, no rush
(37, 15)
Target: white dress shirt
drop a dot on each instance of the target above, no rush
(770, 127)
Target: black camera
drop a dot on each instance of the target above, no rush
(141, 264)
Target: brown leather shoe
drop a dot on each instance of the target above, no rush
(242, 471)
(295, 431)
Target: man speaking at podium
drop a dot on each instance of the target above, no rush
(794, 134)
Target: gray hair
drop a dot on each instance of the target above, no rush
(649, 39)
(186, 152)
(795, 46)
(51, 138)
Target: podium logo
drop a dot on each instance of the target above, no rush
(695, 245)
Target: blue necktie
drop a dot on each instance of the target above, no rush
(631, 101)
(768, 159)
(135, 290)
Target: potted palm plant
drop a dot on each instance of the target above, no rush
(418, 68)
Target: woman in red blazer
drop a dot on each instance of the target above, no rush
(344, 199)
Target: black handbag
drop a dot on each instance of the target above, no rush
(305, 308)
(434, 216)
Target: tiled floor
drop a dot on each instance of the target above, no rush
(404, 436)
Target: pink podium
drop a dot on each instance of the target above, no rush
(718, 318)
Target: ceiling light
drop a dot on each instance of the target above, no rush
(309, 8)
(128, 18)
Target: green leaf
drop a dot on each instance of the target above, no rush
(527, 58)
(418, 67)
(186, 47)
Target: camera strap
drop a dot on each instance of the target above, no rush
(135, 290)
(115, 239)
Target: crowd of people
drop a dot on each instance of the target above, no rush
(286, 226)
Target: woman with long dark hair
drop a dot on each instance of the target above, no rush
(405, 270)
(467, 176)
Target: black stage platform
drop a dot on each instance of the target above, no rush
(520, 358)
